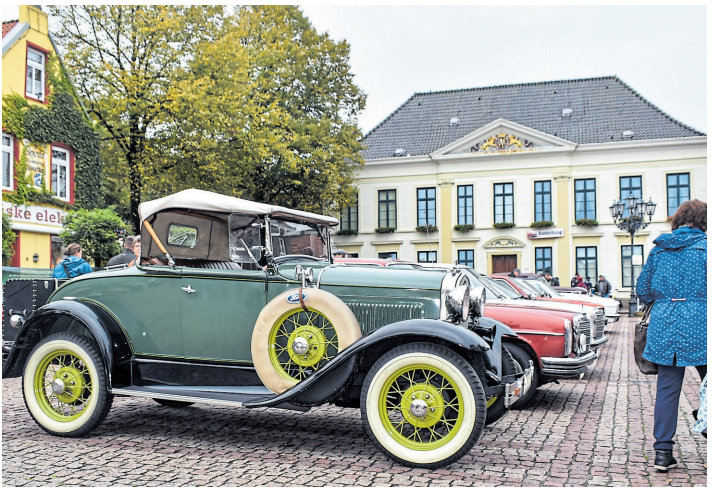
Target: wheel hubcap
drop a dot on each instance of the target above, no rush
(63, 386)
(58, 387)
(300, 345)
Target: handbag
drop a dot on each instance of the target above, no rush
(641, 338)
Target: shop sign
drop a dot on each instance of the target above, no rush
(545, 233)
(36, 162)
(33, 214)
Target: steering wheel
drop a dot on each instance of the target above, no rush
(294, 257)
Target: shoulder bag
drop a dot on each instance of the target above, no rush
(641, 338)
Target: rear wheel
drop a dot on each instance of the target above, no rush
(522, 357)
(423, 405)
(64, 385)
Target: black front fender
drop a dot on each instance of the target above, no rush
(93, 317)
(330, 380)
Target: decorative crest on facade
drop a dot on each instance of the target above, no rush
(502, 143)
(503, 242)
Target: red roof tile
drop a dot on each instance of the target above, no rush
(7, 26)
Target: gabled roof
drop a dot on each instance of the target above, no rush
(7, 26)
(601, 110)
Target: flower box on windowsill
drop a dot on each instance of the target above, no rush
(587, 222)
(541, 224)
(503, 225)
(346, 232)
(464, 227)
(385, 230)
(426, 228)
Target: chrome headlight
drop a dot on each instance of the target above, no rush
(568, 337)
(478, 297)
(455, 297)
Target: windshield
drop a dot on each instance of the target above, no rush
(300, 238)
(497, 286)
(529, 288)
(506, 286)
(549, 289)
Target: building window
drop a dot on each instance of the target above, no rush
(678, 191)
(466, 257)
(465, 205)
(387, 208)
(349, 217)
(542, 260)
(426, 206)
(542, 201)
(35, 81)
(585, 198)
(631, 184)
(60, 173)
(427, 256)
(503, 202)
(587, 262)
(8, 157)
(625, 264)
(388, 255)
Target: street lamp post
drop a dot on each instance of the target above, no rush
(637, 209)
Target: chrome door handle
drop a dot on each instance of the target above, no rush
(188, 289)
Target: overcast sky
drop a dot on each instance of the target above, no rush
(659, 51)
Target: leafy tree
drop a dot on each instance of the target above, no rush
(269, 114)
(123, 60)
(8, 239)
(96, 231)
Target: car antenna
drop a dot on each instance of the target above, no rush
(150, 230)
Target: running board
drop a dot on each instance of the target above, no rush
(232, 396)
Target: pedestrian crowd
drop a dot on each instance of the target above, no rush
(74, 264)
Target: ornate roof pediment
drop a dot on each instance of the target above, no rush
(503, 242)
(502, 136)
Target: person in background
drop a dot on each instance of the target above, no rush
(576, 280)
(137, 248)
(555, 281)
(73, 265)
(515, 272)
(603, 287)
(588, 284)
(127, 256)
(674, 282)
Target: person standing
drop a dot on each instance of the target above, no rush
(674, 282)
(603, 287)
(73, 265)
(127, 256)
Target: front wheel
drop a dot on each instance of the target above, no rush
(64, 385)
(423, 405)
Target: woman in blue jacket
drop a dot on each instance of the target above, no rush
(73, 265)
(674, 281)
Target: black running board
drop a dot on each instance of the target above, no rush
(235, 396)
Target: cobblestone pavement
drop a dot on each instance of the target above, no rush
(596, 431)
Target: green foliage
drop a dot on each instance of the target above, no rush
(385, 230)
(464, 227)
(503, 225)
(541, 223)
(426, 228)
(346, 232)
(587, 222)
(257, 104)
(8, 239)
(61, 122)
(96, 231)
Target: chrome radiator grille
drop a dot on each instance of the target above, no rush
(372, 316)
(584, 327)
(600, 324)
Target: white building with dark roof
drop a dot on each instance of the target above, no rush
(522, 176)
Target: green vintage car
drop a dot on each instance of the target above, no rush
(239, 303)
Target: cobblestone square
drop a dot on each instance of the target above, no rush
(596, 431)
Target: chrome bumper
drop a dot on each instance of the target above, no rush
(567, 367)
(612, 318)
(514, 391)
(598, 342)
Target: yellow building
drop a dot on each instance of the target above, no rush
(522, 176)
(26, 52)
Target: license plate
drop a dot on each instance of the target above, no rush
(514, 391)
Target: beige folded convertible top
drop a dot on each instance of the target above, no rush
(208, 201)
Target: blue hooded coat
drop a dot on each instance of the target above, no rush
(75, 265)
(675, 279)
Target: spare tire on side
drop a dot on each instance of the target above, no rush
(294, 336)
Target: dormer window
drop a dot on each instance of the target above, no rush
(567, 112)
(399, 152)
(628, 134)
(35, 80)
(454, 120)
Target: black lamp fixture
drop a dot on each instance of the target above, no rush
(638, 210)
(35, 257)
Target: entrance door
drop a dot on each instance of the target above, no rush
(504, 263)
